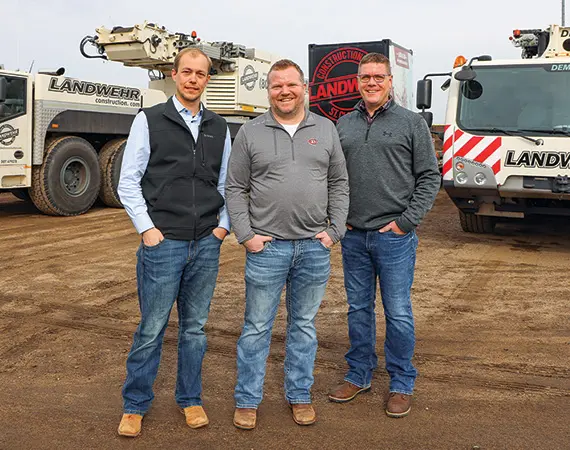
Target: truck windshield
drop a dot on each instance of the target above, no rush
(534, 99)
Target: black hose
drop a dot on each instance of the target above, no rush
(92, 41)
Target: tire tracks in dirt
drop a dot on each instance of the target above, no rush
(222, 342)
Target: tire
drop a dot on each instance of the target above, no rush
(473, 223)
(110, 160)
(21, 194)
(68, 181)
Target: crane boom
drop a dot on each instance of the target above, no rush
(239, 74)
(552, 42)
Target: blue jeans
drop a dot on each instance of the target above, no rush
(303, 266)
(367, 256)
(185, 271)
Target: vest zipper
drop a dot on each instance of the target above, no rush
(194, 204)
(194, 213)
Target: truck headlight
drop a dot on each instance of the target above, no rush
(461, 178)
(480, 178)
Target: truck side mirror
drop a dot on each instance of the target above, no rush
(465, 74)
(428, 117)
(423, 97)
(3, 89)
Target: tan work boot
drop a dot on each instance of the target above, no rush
(130, 425)
(195, 416)
(399, 405)
(346, 392)
(245, 418)
(304, 414)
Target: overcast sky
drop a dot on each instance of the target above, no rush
(49, 33)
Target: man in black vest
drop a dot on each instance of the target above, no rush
(172, 186)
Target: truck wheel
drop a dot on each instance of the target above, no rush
(110, 160)
(67, 183)
(473, 223)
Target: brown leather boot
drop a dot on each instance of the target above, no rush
(346, 392)
(245, 418)
(399, 405)
(130, 425)
(304, 414)
(195, 416)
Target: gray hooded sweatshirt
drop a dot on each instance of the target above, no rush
(287, 187)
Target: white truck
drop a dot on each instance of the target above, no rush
(62, 139)
(506, 144)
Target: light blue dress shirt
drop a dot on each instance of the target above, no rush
(135, 162)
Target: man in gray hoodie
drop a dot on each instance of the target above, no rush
(393, 179)
(287, 195)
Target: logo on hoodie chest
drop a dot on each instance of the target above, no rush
(313, 141)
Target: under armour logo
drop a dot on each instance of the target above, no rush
(386, 133)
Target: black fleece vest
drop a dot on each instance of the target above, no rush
(181, 179)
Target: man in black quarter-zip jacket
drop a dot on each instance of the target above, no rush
(393, 179)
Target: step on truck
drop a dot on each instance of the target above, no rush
(62, 138)
(506, 146)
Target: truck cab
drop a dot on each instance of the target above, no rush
(506, 146)
(16, 99)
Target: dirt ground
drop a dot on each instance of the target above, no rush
(493, 343)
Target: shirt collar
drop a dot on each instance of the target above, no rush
(182, 109)
(271, 121)
(362, 107)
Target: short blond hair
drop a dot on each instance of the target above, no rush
(194, 52)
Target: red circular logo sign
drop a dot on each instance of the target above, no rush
(334, 86)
